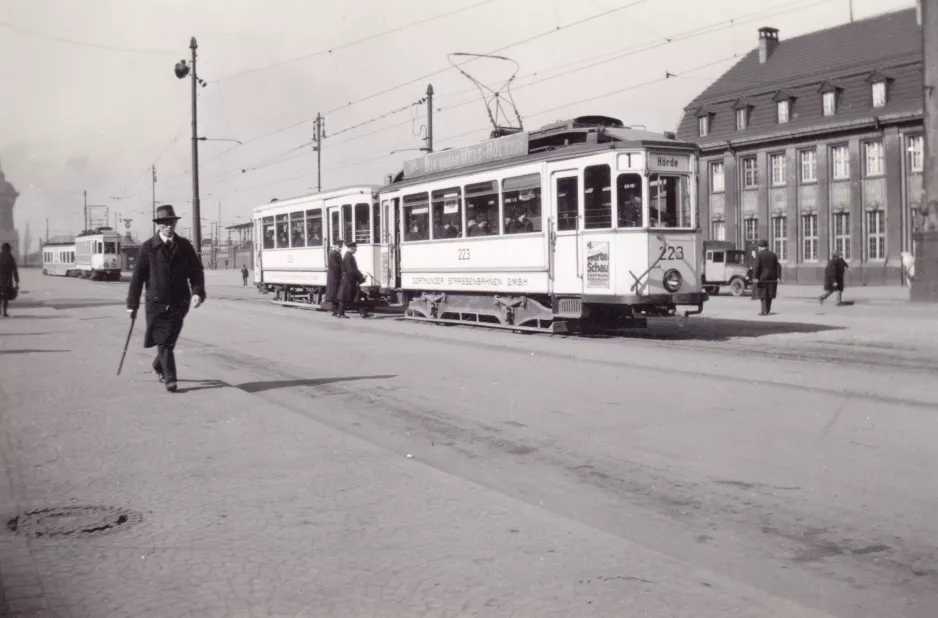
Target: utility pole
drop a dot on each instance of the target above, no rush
(85, 224)
(154, 199)
(925, 240)
(430, 118)
(850, 2)
(47, 229)
(317, 137)
(196, 210)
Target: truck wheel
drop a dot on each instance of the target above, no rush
(737, 286)
(713, 290)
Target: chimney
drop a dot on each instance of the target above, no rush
(768, 41)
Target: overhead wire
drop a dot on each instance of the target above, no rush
(100, 46)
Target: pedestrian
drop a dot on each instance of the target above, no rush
(765, 276)
(352, 278)
(244, 274)
(173, 273)
(9, 278)
(226, 264)
(834, 278)
(334, 276)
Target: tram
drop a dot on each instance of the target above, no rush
(292, 239)
(579, 226)
(98, 254)
(58, 258)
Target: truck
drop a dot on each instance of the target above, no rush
(725, 265)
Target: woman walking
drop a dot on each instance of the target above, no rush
(9, 278)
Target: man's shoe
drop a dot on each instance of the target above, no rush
(171, 386)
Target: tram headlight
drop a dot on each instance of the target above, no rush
(672, 280)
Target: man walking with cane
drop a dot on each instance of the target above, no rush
(172, 271)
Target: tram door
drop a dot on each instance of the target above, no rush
(258, 245)
(389, 244)
(566, 256)
(333, 231)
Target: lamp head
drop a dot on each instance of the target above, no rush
(182, 69)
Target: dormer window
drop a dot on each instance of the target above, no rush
(742, 118)
(829, 102)
(703, 126)
(784, 111)
(879, 94)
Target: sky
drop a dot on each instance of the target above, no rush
(91, 101)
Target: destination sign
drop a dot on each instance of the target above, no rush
(485, 152)
(668, 162)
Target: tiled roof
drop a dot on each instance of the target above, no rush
(863, 45)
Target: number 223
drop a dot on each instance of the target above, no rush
(672, 253)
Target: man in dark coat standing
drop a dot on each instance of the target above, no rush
(834, 278)
(9, 278)
(244, 274)
(766, 275)
(352, 278)
(334, 276)
(170, 266)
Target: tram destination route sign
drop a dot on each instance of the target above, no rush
(484, 152)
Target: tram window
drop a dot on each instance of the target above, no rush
(447, 213)
(283, 237)
(567, 203)
(670, 201)
(297, 229)
(334, 226)
(416, 217)
(482, 209)
(313, 228)
(363, 223)
(376, 221)
(110, 247)
(597, 197)
(347, 223)
(522, 198)
(629, 190)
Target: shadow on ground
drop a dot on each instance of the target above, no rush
(714, 330)
(259, 387)
(2, 352)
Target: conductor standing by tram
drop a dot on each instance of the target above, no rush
(172, 271)
(352, 278)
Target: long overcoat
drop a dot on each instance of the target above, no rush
(333, 276)
(352, 278)
(8, 275)
(172, 273)
(766, 274)
(834, 274)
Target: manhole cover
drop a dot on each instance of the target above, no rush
(72, 520)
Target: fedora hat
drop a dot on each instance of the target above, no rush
(165, 213)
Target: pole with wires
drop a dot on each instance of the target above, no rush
(430, 118)
(317, 138)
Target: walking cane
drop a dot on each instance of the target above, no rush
(127, 343)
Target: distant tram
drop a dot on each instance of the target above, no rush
(98, 254)
(58, 258)
(578, 226)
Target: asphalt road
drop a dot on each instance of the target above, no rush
(740, 466)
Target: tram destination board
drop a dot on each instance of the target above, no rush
(484, 152)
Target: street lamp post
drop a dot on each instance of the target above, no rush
(182, 70)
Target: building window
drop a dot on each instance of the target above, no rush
(784, 107)
(718, 230)
(916, 153)
(808, 166)
(778, 169)
(842, 234)
(841, 162)
(751, 229)
(703, 126)
(742, 118)
(717, 180)
(876, 235)
(780, 237)
(749, 173)
(873, 158)
(830, 103)
(809, 238)
(879, 94)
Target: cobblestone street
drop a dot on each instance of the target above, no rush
(740, 466)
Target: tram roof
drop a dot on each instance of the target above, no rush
(323, 195)
(552, 143)
(59, 241)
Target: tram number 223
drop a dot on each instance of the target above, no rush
(672, 253)
(464, 254)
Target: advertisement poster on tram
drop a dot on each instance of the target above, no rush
(597, 264)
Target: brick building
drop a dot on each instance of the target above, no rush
(815, 144)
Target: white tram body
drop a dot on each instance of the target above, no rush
(292, 239)
(98, 254)
(58, 258)
(609, 231)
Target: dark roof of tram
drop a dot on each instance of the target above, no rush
(60, 240)
(564, 139)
